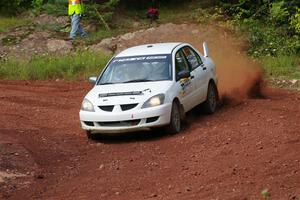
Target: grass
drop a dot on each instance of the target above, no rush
(97, 36)
(7, 23)
(283, 66)
(51, 27)
(74, 66)
(175, 14)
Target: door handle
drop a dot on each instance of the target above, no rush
(204, 68)
(192, 77)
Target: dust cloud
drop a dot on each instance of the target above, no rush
(239, 77)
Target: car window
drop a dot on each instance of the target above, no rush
(180, 62)
(193, 58)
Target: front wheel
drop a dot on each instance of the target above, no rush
(175, 121)
(210, 104)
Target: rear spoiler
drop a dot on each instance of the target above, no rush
(205, 49)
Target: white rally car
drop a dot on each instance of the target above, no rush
(149, 86)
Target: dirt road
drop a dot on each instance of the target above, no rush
(248, 145)
(234, 154)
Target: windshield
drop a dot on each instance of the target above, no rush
(137, 69)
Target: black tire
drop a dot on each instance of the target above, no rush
(175, 121)
(210, 105)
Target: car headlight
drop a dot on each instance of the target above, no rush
(154, 101)
(87, 106)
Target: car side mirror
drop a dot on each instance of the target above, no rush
(183, 74)
(93, 79)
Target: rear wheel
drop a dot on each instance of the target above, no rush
(175, 121)
(210, 104)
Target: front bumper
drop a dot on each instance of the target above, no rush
(128, 121)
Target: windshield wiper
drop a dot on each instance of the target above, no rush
(107, 83)
(138, 80)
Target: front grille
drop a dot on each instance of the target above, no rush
(89, 123)
(151, 119)
(120, 123)
(128, 106)
(107, 108)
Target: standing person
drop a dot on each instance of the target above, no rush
(75, 11)
(152, 12)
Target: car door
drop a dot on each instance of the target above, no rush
(186, 85)
(199, 71)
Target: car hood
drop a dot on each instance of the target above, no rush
(126, 93)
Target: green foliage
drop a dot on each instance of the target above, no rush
(76, 65)
(57, 2)
(106, 10)
(272, 28)
(242, 8)
(278, 12)
(37, 6)
(112, 4)
(295, 21)
(57, 9)
(9, 7)
(273, 25)
(269, 40)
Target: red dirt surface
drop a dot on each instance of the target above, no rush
(245, 147)
(250, 144)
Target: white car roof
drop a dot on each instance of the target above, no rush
(149, 49)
